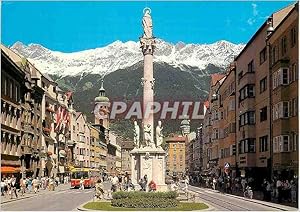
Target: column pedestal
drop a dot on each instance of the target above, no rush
(150, 162)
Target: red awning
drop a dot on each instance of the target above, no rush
(9, 169)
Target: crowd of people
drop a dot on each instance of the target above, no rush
(276, 190)
(11, 186)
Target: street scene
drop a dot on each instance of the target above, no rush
(113, 106)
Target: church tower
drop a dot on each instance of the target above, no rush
(101, 108)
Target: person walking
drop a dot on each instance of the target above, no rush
(13, 184)
(81, 184)
(29, 184)
(23, 186)
(279, 190)
(2, 187)
(293, 191)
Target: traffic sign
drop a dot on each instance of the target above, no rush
(226, 165)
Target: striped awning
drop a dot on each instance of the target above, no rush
(9, 169)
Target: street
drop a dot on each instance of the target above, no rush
(62, 199)
(227, 202)
(51, 201)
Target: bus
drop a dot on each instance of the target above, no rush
(90, 177)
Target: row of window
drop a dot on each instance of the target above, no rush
(10, 88)
(285, 109)
(247, 91)
(285, 143)
(247, 118)
(283, 46)
(247, 146)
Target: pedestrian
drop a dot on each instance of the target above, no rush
(293, 191)
(81, 184)
(2, 187)
(279, 190)
(114, 181)
(23, 186)
(35, 184)
(152, 186)
(29, 184)
(214, 183)
(268, 191)
(244, 182)
(13, 184)
(99, 189)
(145, 181)
(186, 183)
(264, 189)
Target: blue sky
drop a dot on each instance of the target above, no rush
(74, 26)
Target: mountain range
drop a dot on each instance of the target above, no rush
(181, 72)
(119, 55)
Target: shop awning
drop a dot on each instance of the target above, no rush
(9, 169)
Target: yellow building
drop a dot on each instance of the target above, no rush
(94, 148)
(176, 155)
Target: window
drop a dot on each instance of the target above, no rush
(281, 143)
(240, 75)
(283, 46)
(247, 118)
(11, 89)
(263, 144)
(247, 146)
(295, 142)
(293, 37)
(3, 84)
(247, 92)
(273, 55)
(251, 66)
(215, 133)
(293, 73)
(280, 77)
(281, 110)
(263, 114)
(263, 85)
(293, 107)
(231, 105)
(285, 76)
(263, 56)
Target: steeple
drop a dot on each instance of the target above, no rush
(101, 97)
(102, 90)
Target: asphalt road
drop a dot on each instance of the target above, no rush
(231, 203)
(66, 200)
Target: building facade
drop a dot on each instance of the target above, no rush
(284, 70)
(176, 155)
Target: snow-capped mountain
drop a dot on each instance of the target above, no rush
(119, 55)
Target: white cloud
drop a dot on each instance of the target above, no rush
(254, 9)
(252, 19)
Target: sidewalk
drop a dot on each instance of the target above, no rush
(61, 187)
(258, 199)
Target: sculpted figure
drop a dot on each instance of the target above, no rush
(159, 135)
(147, 24)
(136, 134)
(147, 134)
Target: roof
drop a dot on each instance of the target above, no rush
(216, 77)
(101, 99)
(48, 77)
(177, 138)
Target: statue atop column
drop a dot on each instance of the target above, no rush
(147, 23)
(147, 135)
(136, 134)
(159, 135)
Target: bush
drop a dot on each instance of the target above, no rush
(142, 194)
(144, 203)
